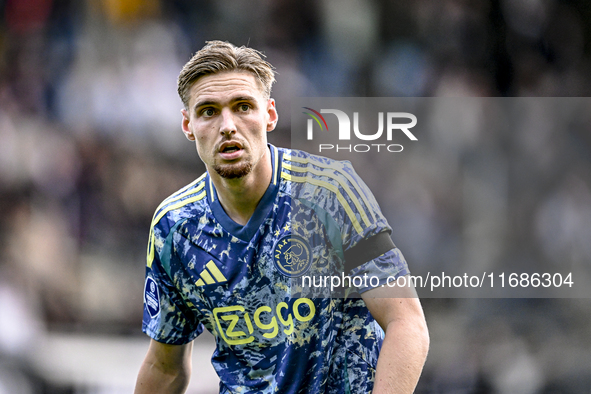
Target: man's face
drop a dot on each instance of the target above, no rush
(229, 117)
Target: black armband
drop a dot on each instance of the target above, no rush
(368, 249)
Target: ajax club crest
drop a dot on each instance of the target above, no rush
(292, 255)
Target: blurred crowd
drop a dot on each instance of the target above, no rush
(90, 143)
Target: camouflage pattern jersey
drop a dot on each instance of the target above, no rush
(275, 332)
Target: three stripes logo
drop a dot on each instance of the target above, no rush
(210, 275)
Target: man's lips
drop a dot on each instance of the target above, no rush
(230, 150)
(230, 146)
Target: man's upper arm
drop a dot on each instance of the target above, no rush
(389, 304)
(406, 344)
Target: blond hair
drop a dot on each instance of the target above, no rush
(219, 56)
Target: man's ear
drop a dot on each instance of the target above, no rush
(185, 125)
(273, 115)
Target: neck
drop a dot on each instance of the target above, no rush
(240, 197)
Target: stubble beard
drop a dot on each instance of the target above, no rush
(233, 171)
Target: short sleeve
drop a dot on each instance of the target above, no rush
(382, 269)
(371, 253)
(166, 317)
(365, 228)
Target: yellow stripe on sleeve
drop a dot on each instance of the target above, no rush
(179, 194)
(333, 189)
(178, 205)
(344, 173)
(341, 183)
(161, 214)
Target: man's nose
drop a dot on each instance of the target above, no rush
(228, 126)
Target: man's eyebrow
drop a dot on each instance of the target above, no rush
(243, 98)
(203, 103)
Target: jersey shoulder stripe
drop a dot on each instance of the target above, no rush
(337, 172)
(332, 188)
(336, 176)
(191, 193)
(190, 189)
(344, 174)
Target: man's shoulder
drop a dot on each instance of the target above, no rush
(304, 155)
(332, 187)
(186, 202)
(299, 165)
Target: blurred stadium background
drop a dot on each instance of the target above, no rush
(90, 144)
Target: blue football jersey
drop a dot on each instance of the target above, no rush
(274, 332)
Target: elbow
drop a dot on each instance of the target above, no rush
(423, 334)
(414, 329)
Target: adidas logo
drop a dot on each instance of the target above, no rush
(210, 275)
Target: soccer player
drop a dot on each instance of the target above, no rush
(227, 253)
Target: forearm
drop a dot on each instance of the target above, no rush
(166, 369)
(402, 356)
(152, 379)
